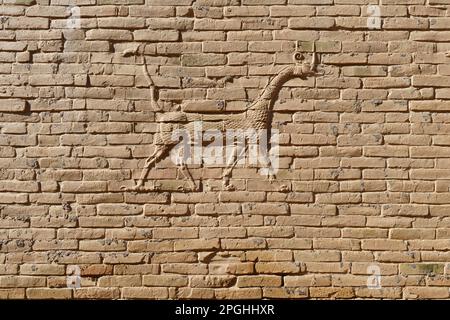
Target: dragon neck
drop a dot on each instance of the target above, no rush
(270, 92)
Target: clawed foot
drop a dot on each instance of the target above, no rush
(188, 189)
(283, 188)
(229, 187)
(226, 185)
(136, 188)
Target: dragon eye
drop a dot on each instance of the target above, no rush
(298, 56)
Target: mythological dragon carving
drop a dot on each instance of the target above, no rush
(255, 117)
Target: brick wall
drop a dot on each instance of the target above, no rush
(362, 193)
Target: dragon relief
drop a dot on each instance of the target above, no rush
(257, 116)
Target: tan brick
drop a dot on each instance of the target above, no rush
(363, 157)
(175, 233)
(426, 293)
(119, 281)
(242, 244)
(46, 293)
(420, 268)
(42, 269)
(247, 293)
(12, 105)
(259, 281)
(218, 281)
(21, 281)
(385, 293)
(12, 293)
(144, 293)
(311, 23)
(317, 255)
(164, 280)
(283, 293)
(198, 244)
(96, 293)
(337, 293)
(150, 35)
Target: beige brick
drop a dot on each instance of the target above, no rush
(317, 255)
(419, 268)
(362, 177)
(45, 293)
(21, 281)
(164, 280)
(12, 293)
(212, 281)
(12, 105)
(42, 269)
(311, 23)
(283, 293)
(197, 244)
(426, 293)
(144, 293)
(97, 293)
(415, 233)
(119, 281)
(150, 35)
(336, 293)
(246, 293)
(259, 281)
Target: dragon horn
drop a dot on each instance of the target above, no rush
(314, 56)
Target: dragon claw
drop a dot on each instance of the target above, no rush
(229, 187)
(136, 188)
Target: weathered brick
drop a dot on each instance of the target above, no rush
(362, 177)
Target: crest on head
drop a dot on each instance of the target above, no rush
(312, 66)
